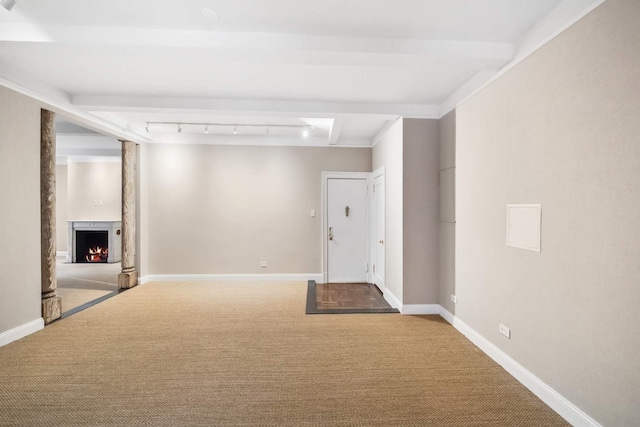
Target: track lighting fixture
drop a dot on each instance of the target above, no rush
(306, 130)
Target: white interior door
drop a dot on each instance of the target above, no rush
(347, 222)
(378, 232)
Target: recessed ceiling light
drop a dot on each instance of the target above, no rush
(306, 133)
(210, 14)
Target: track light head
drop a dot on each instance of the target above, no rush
(147, 127)
(179, 128)
(235, 130)
(206, 129)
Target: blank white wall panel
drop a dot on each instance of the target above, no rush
(524, 226)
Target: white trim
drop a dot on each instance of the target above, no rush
(417, 309)
(445, 314)
(447, 106)
(372, 227)
(21, 331)
(391, 299)
(567, 410)
(230, 278)
(62, 253)
(325, 176)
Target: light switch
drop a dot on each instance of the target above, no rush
(313, 213)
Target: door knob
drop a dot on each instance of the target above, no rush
(381, 242)
(330, 233)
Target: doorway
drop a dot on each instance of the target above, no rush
(88, 216)
(347, 228)
(378, 230)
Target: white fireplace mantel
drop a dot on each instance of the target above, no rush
(115, 237)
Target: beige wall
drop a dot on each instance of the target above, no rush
(420, 208)
(224, 209)
(61, 208)
(447, 219)
(388, 153)
(20, 214)
(560, 129)
(91, 183)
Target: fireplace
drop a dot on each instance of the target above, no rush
(92, 246)
(95, 242)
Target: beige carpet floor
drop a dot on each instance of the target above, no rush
(81, 283)
(242, 354)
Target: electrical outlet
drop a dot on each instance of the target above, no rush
(454, 299)
(263, 264)
(505, 331)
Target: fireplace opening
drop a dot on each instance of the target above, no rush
(92, 246)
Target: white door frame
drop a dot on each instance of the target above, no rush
(325, 230)
(372, 228)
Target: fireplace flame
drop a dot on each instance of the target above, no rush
(97, 254)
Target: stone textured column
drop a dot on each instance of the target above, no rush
(51, 302)
(129, 277)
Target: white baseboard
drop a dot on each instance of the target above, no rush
(410, 309)
(445, 314)
(415, 309)
(62, 253)
(391, 299)
(21, 331)
(230, 278)
(567, 410)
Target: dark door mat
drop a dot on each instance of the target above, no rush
(376, 303)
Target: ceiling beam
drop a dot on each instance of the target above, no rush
(266, 47)
(336, 128)
(60, 102)
(132, 104)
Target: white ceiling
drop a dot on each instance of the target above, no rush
(349, 66)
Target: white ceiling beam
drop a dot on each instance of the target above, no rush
(60, 102)
(336, 128)
(262, 45)
(97, 103)
(94, 141)
(87, 151)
